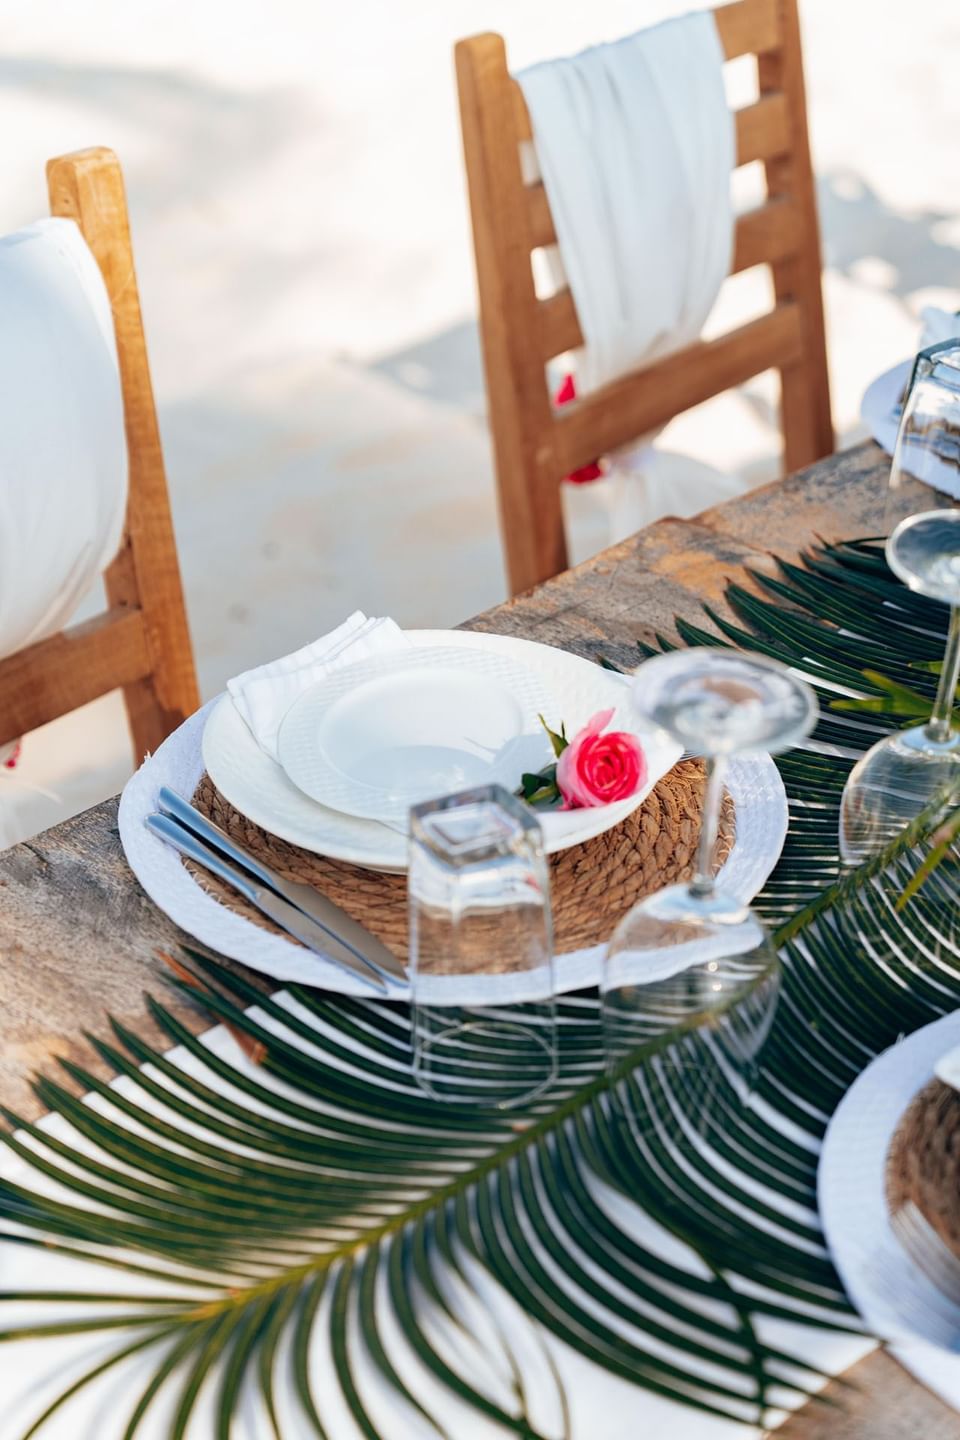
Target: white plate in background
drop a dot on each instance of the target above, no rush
(891, 1294)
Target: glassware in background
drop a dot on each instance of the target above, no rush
(693, 955)
(909, 771)
(481, 950)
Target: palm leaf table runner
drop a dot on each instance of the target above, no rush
(269, 1231)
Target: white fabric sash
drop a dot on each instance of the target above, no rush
(635, 142)
(63, 457)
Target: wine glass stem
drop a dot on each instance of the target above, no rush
(940, 726)
(702, 883)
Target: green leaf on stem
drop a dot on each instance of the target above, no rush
(558, 741)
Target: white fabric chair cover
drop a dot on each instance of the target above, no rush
(63, 458)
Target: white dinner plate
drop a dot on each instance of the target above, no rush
(259, 789)
(892, 1295)
(373, 738)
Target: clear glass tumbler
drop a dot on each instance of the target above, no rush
(481, 950)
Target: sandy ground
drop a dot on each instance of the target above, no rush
(301, 232)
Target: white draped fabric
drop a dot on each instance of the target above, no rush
(63, 458)
(635, 142)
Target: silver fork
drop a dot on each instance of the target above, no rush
(927, 1250)
(900, 1273)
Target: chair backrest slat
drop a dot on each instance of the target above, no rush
(762, 236)
(521, 332)
(141, 644)
(684, 379)
(749, 27)
(70, 669)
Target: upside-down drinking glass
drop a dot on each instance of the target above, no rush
(916, 769)
(481, 951)
(694, 955)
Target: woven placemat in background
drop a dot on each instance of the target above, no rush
(592, 884)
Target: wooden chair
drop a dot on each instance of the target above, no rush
(535, 444)
(141, 642)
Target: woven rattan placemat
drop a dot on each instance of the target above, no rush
(592, 884)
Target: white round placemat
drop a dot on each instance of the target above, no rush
(256, 785)
(761, 826)
(889, 1291)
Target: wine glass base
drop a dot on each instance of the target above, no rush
(702, 969)
(687, 904)
(674, 930)
(891, 785)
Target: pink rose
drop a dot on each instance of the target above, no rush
(598, 769)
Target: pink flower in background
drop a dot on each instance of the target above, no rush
(597, 769)
(586, 473)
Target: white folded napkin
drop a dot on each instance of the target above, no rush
(264, 695)
(635, 142)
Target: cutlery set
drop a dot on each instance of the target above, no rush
(298, 909)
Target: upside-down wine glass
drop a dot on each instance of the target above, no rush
(915, 769)
(695, 957)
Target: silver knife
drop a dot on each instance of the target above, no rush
(280, 911)
(330, 917)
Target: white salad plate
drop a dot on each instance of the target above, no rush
(258, 787)
(373, 738)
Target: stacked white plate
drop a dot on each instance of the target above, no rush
(456, 710)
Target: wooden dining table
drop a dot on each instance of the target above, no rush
(79, 939)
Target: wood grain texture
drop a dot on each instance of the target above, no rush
(804, 384)
(64, 671)
(145, 576)
(534, 445)
(886, 1404)
(77, 942)
(518, 403)
(78, 938)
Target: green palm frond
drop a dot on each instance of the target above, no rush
(873, 648)
(313, 1230)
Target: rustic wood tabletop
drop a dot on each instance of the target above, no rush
(79, 939)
